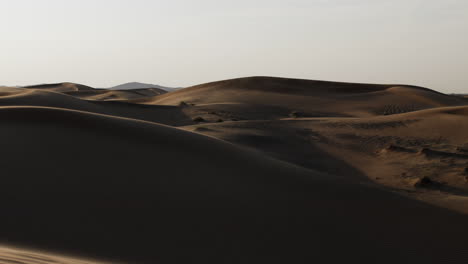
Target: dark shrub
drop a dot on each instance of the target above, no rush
(183, 104)
(198, 119)
(295, 114)
(426, 182)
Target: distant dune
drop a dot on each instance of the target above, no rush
(61, 87)
(137, 85)
(250, 170)
(275, 98)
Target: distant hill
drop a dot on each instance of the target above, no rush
(137, 85)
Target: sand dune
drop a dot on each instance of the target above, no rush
(116, 95)
(169, 115)
(280, 98)
(337, 181)
(395, 150)
(89, 93)
(61, 87)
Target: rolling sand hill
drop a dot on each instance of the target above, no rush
(61, 87)
(277, 98)
(89, 93)
(304, 183)
(170, 115)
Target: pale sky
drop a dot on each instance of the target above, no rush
(103, 43)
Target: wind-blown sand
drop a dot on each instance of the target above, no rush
(297, 172)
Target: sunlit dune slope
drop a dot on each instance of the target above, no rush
(273, 98)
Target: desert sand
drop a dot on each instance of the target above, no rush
(250, 170)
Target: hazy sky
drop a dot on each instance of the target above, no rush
(184, 42)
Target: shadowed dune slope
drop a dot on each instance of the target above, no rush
(307, 98)
(139, 192)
